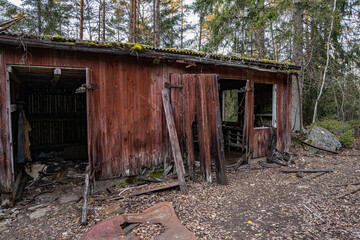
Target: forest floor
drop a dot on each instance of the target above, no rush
(258, 203)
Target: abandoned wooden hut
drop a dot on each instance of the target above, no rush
(107, 98)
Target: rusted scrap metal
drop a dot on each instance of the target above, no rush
(174, 141)
(162, 213)
(320, 148)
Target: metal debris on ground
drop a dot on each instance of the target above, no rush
(162, 213)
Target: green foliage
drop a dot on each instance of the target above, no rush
(344, 130)
(347, 138)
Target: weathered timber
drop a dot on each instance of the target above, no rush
(172, 185)
(312, 176)
(204, 134)
(174, 142)
(261, 163)
(345, 184)
(199, 125)
(219, 146)
(236, 166)
(349, 192)
(189, 101)
(86, 197)
(320, 148)
(306, 170)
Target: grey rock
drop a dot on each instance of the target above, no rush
(39, 213)
(320, 137)
(69, 198)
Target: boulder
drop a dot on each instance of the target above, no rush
(320, 137)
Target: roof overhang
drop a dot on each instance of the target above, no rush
(149, 53)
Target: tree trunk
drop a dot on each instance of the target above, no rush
(260, 34)
(99, 23)
(103, 20)
(201, 26)
(81, 19)
(326, 66)
(297, 58)
(182, 24)
(38, 6)
(132, 27)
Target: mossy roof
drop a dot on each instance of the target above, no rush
(143, 49)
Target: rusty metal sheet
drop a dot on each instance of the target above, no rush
(162, 213)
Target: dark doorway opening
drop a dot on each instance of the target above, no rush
(48, 118)
(232, 93)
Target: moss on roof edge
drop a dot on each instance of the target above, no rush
(146, 48)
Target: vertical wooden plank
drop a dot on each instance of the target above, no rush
(6, 176)
(189, 118)
(219, 141)
(204, 137)
(174, 141)
(245, 140)
(288, 112)
(89, 100)
(199, 126)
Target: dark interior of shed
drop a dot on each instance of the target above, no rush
(232, 107)
(263, 105)
(48, 118)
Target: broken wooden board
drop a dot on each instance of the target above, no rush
(306, 170)
(349, 192)
(345, 184)
(315, 175)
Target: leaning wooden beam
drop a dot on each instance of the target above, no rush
(306, 170)
(174, 141)
(320, 148)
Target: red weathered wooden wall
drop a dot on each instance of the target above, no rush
(128, 130)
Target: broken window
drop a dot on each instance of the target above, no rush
(264, 105)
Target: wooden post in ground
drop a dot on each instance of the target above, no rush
(86, 197)
(219, 146)
(174, 141)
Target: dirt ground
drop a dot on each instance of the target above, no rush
(258, 203)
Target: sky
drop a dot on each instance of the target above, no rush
(16, 2)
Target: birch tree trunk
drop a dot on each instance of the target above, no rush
(326, 66)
